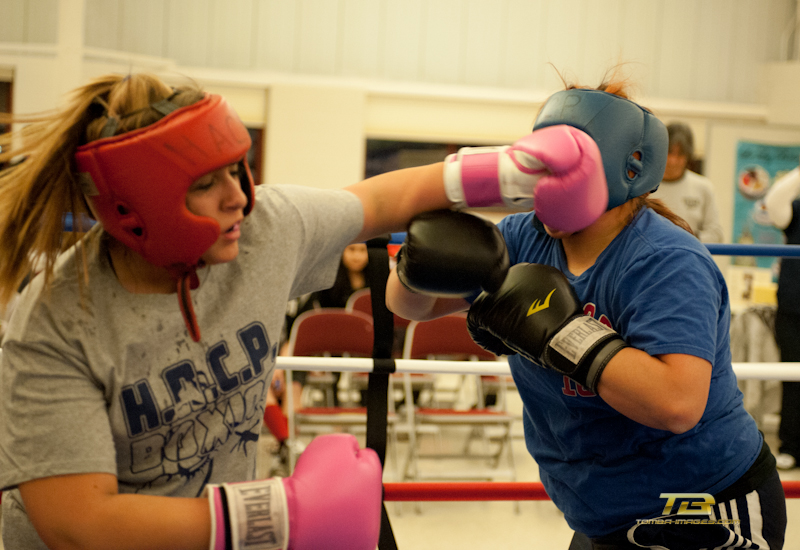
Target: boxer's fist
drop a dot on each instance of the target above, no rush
(537, 314)
(563, 160)
(452, 253)
(334, 496)
(574, 193)
(331, 501)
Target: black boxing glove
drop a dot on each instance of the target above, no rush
(537, 314)
(452, 254)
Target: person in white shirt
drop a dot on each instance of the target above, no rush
(782, 203)
(688, 194)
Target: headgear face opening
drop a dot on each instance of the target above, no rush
(621, 129)
(138, 181)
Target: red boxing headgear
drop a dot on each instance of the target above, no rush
(138, 181)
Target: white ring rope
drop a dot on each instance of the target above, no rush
(743, 371)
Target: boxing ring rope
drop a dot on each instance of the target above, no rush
(743, 371)
(494, 491)
(770, 250)
(490, 490)
(717, 249)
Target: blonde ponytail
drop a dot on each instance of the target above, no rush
(39, 186)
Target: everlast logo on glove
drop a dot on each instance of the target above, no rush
(252, 515)
(578, 337)
(560, 337)
(260, 525)
(260, 508)
(536, 306)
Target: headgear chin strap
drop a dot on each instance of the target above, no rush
(137, 183)
(621, 128)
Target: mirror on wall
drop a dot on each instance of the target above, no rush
(255, 156)
(387, 155)
(5, 103)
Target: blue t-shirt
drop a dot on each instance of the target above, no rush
(660, 289)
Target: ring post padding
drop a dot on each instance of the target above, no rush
(383, 327)
(383, 366)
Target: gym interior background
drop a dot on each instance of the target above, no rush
(336, 89)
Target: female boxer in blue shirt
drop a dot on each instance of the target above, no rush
(618, 340)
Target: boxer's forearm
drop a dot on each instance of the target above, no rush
(85, 512)
(390, 200)
(666, 393)
(331, 501)
(419, 307)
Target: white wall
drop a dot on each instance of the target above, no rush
(29, 21)
(321, 76)
(32, 71)
(315, 135)
(450, 115)
(707, 50)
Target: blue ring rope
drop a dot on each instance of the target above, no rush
(771, 250)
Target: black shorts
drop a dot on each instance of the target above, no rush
(750, 514)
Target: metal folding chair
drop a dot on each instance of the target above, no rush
(332, 332)
(448, 338)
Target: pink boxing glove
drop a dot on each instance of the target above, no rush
(575, 192)
(332, 501)
(557, 170)
(335, 496)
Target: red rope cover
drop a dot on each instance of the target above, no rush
(450, 491)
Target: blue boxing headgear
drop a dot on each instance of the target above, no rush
(621, 128)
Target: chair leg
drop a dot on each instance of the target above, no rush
(411, 467)
(291, 417)
(393, 441)
(511, 463)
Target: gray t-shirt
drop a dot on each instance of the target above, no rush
(118, 386)
(692, 198)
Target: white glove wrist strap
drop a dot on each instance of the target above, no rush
(487, 176)
(252, 515)
(452, 181)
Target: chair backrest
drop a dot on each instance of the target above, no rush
(361, 300)
(332, 331)
(446, 335)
